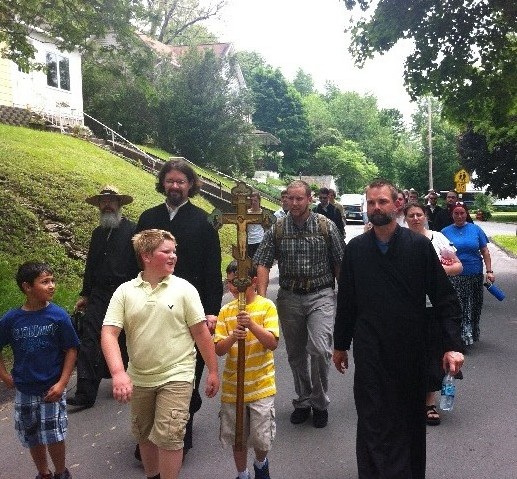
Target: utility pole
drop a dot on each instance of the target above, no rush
(430, 140)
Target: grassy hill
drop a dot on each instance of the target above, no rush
(44, 179)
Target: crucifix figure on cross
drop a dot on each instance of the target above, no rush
(241, 218)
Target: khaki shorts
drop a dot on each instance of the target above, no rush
(259, 426)
(160, 413)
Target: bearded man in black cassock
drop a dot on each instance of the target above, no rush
(386, 274)
(108, 265)
(198, 250)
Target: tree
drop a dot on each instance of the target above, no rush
(454, 40)
(303, 83)
(477, 155)
(358, 118)
(70, 23)
(249, 62)
(169, 21)
(119, 90)
(347, 163)
(320, 121)
(445, 155)
(465, 56)
(195, 35)
(279, 110)
(201, 117)
(336, 116)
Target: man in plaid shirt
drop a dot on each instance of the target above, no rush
(309, 250)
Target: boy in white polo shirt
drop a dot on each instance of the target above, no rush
(258, 325)
(162, 317)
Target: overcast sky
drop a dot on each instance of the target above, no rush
(309, 34)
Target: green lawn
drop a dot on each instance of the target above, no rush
(44, 178)
(507, 242)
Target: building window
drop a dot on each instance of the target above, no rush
(58, 71)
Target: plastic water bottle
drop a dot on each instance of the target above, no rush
(493, 289)
(448, 392)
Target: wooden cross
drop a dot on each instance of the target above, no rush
(241, 218)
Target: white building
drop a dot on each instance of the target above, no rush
(56, 93)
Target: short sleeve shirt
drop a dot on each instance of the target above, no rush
(468, 240)
(39, 340)
(259, 379)
(304, 255)
(156, 322)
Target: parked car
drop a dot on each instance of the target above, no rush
(352, 205)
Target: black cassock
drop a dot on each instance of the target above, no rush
(381, 307)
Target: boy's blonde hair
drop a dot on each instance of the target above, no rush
(148, 240)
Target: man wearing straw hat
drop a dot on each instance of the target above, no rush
(109, 264)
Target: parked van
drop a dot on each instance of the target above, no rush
(352, 205)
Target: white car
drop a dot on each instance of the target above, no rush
(352, 205)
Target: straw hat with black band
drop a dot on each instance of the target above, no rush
(109, 191)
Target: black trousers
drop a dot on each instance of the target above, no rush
(195, 401)
(91, 365)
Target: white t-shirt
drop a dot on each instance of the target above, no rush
(255, 231)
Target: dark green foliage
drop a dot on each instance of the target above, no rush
(465, 56)
(119, 91)
(279, 110)
(202, 116)
(496, 166)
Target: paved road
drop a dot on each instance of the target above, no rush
(477, 440)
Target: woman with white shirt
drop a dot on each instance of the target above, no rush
(416, 220)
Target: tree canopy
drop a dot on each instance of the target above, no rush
(201, 117)
(71, 23)
(278, 109)
(465, 55)
(169, 21)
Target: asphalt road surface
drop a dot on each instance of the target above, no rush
(477, 440)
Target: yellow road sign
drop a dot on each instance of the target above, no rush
(461, 176)
(461, 187)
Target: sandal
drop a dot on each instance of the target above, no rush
(432, 416)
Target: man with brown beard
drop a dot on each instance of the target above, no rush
(198, 250)
(387, 273)
(108, 265)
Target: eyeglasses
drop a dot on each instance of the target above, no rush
(176, 182)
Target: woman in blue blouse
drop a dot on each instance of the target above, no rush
(472, 250)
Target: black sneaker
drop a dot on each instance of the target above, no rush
(320, 417)
(263, 472)
(79, 401)
(300, 415)
(64, 475)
